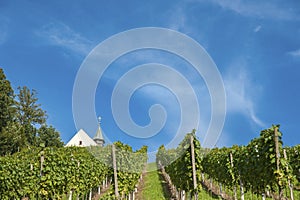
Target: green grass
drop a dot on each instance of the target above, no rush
(151, 167)
(296, 194)
(204, 195)
(155, 188)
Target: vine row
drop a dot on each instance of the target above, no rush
(263, 166)
(57, 173)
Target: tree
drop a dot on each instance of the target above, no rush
(29, 113)
(7, 102)
(22, 120)
(12, 138)
(8, 129)
(49, 137)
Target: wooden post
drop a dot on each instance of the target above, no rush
(221, 191)
(234, 188)
(70, 195)
(42, 163)
(242, 189)
(277, 160)
(115, 171)
(90, 194)
(263, 196)
(194, 166)
(289, 181)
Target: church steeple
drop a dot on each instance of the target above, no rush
(98, 138)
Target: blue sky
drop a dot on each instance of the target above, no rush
(254, 44)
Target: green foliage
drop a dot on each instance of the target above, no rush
(50, 172)
(24, 174)
(254, 165)
(130, 165)
(178, 163)
(7, 102)
(29, 113)
(8, 138)
(165, 157)
(49, 137)
(218, 166)
(20, 117)
(293, 154)
(12, 138)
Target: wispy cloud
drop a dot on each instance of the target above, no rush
(173, 80)
(187, 97)
(60, 34)
(240, 94)
(295, 53)
(260, 9)
(257, 29)
(177, 19)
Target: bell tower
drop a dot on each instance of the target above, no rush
(98, 138)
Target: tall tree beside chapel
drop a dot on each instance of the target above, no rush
(7, 102)
(29, 113)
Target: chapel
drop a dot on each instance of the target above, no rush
(82, 139)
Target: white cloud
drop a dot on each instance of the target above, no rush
(260, 9)
(295, 53)
(174, 83)
(177, 19)
(240, 93)
(157, 74)
(257, 29)
(62, 35)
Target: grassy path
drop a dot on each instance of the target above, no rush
(153, 186)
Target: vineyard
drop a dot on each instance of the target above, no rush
(263, 169)
(70, 173)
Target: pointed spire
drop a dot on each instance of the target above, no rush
(98, 138)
